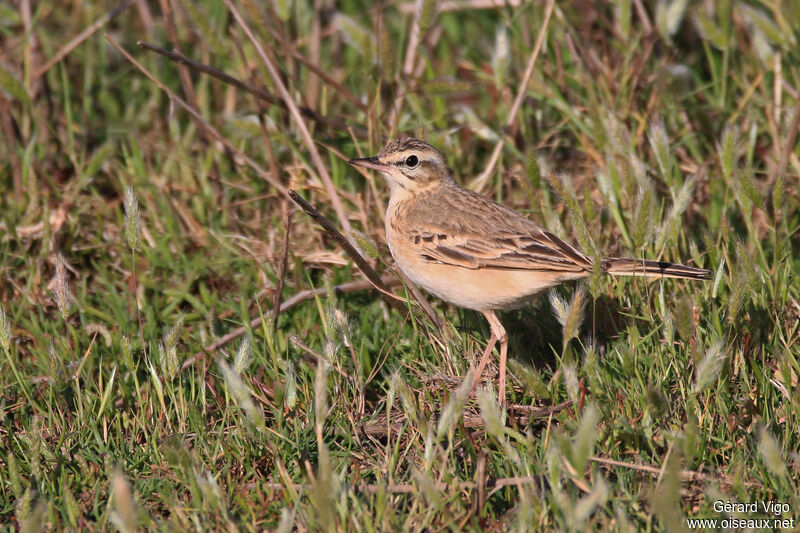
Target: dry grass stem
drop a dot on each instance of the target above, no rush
(202, 122)
(480, 182)
(333, 123)
(276, 300)
(360, 262)
(322, 169)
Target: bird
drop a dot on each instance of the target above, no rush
(475, 253)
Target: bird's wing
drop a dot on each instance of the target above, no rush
(472, 231)
(539, 250)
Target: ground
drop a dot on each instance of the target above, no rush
(151, 379)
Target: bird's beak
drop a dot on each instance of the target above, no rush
(370, 162)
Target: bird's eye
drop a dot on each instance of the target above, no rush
(412, 161)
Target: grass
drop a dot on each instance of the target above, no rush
(667, 133)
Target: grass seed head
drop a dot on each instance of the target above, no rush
(659, 142)
(771, 452)
(244, 355)
(571, 382)
(61, 292)
(709, 368)
(569, 314)
(5, 331)
(241, 393)
(123, 514)
(455, 406)
(131, 219)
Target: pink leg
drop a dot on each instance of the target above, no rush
(498, 335)
(501, 381)
(484, 359)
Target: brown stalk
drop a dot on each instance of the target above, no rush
(146, 17)
(183, 73)
(276, 301)
(408, 63)
(257, 91)
(202, 122)
(462, 5)
(641, 12)
(413, 39)
(686, 475)
(315, 47)
(358, 259)
(295, 112)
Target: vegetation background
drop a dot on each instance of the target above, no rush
(135, 235)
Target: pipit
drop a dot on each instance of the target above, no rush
(474, 252)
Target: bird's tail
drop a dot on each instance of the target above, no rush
(652, 269)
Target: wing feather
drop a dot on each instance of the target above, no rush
(477, 251)
(492, 236)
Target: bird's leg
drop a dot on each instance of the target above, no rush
(498, 335)
(484, 359)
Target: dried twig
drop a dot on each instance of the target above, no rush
(462, 5)
(203, 123)
(686, 475)
(277, 80)
(276, 302)
(360, 262)
(257, 91)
